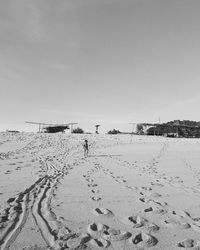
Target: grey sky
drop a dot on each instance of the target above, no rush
(106, 61)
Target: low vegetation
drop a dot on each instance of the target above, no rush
(78, 131)
(114, 132)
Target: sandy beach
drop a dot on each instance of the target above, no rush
(131, 192)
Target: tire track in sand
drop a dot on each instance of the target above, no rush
(36, 200)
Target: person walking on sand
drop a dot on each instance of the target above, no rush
(86, 148)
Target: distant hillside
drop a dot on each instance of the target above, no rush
(176, 128)
(184, 123)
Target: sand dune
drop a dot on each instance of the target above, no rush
(131, 192)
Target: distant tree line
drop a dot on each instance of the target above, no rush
(114, 132)
(78, 131)
(179, 128)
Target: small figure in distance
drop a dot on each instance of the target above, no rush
(86, 149)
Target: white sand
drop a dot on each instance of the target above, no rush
(132, 192)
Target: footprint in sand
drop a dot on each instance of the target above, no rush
(185, 225)
(95, 198)
(196, 227)
(171, 222)
(174, 223)
(92, 185)
(89, 180)
(10, 200)
(155, 210)
(119, 180)
(149, 209)
(157, 203)
(182, 214)
(153, 194)
(113, 234)
(156, 184)
(130, 187)
(151, 228)
(189, 243)
(102, 232)
(95, 191)
(77, 241)
(153, 202)
(7, 172)
(99, 243)
(102, 212)
(145, 188)
(145, 200)
(134, 221)
(143, 240)
(96, 229)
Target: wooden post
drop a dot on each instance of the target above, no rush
(71, 128)
(177, 132)
(97, 127)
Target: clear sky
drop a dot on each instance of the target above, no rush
(98, 61)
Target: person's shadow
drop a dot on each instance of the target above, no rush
(102, 155)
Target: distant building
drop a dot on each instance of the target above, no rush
(170, 134)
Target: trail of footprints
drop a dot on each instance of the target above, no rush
(92, 186)
(152, 169)
(102, 235)
(171, 218)
(145, 231)
(196, 176)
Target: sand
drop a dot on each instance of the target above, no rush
(131, 192)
